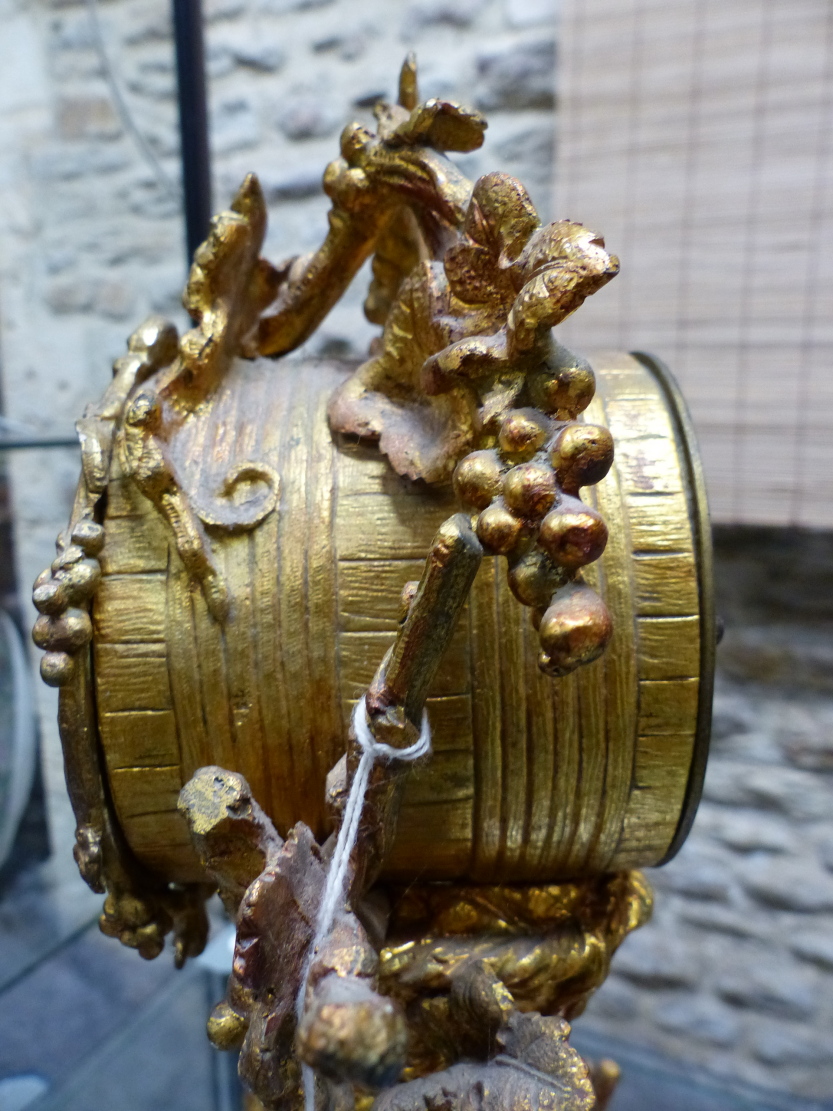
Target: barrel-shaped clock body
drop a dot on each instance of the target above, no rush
(531, 778)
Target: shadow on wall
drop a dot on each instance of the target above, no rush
(775, 594)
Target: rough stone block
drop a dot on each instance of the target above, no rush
(87, 117)
(285, 7)
(810, 748)
(530, 13)
(714, 918)
(371, 95)
(655, 961)
(291, 183)
(65, 162)
(219, 60)
(779, 1045)
(145, 196)
(522, 76)
(779, 654)
(115, 299)
(307, 117)
(699, 1017)
(348, 47)
(746, 833)
(154, 77)
(59, 259)
(69, 295)
(234, 126)
(782, 989)
(815, 946)
(796, 794)
(442, 13)
(71, 31)
(614, 1000)
(532, 147)
(216, 10)
(734, 712)
(746, 725)
(264, 56)
(775, 575)
(699, 877)
(791, 883)
(148, 22)
(134, 243)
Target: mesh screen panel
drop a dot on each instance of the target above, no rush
(698, 137)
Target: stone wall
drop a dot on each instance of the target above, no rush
(735, 972)
(90, 242)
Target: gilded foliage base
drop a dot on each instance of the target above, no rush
(416, 984)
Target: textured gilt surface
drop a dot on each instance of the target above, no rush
(663, 626)
(533, 778)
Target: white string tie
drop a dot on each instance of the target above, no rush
(333, 893)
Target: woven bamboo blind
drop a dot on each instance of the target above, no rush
(697, 135)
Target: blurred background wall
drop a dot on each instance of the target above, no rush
(696, 136)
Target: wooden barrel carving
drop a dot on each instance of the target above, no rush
(532, 778)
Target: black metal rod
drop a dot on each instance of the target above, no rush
(24, 443)
(193, 121)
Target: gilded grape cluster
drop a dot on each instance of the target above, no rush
(62, 596)
(525, 492)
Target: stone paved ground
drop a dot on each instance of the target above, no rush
(651, 1082)
(735, 972)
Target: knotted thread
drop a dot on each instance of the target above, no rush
(333, 893)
